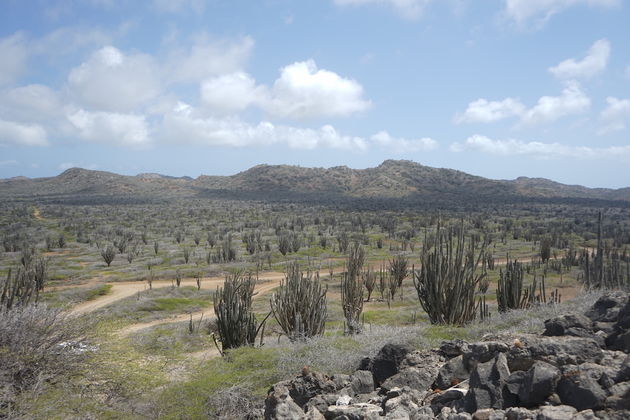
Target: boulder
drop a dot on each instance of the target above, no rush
(453, 348)
(580, 390)
(451, 373)
(538, 383)
(304, 387)
(360, 411)
(607, 307)
(280, 406)
(560, 325)
(487, 384)
(558, 351)
(362, 382)
(387, 362)
(558, 412)
(483, 352)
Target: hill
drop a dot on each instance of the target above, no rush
(391, 182)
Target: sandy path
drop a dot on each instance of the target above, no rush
(269, 284)
(121, 290)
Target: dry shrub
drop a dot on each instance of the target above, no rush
(37, 345)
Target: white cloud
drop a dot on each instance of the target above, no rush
(523, 11)
(112, 81)
(31, 103)
(68, 40)
(401, 145)
(595, 62)
(409, 9)
(615, 115)
(184, 125)
(538, 150)
(208, 58)
(304, 91)
(231, 92)
(13, 57)
(484, 111)
(301, 91)
(550, 108)
(108, 127)
(11, 162)
(22, 134)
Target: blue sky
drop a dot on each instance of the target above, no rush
(497, 88)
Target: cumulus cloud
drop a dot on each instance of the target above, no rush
(539, 11)
(304, 91)
(184, 124)
(401, 145)
(538, 150)
(550, 108)
(112, 81)
(484, 111)
(595, 62)
(13, 57)
(410, 9)
(109, 127)
(231, 92)
(615, 115)
(208, 58)
(22, 134)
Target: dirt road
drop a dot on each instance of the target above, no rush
(121, 290)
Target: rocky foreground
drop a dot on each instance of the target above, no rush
(578, 369)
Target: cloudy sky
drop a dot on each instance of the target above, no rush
(497, 88)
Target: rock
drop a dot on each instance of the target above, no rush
(619, 340)
(624, 371)
(519, 413)
(538, 383)
(451, 373)
(558, 351)
(279, 404)
(305, 387)
(387, 362)
(313, 414)
(487, 383)
(448, 396)
(488, 414)
(341, 381)
(585, 415)
(362, 382)
(561, 324)
(619, 398)
(322, 402)
(453, 348)
(415, 378)
(559, 412)
(360, 411)
(580, 390)
(483, 352)
(607, 307)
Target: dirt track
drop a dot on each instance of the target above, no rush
(121, 290)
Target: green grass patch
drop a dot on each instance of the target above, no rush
(253, 368)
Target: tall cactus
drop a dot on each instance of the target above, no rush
(448, 278)
(23, 286)
(299, 305)
(510, 286)
(352, 289)
(236, 322)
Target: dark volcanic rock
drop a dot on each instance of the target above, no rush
(578, 389)
(538, 383)
(487, 384)
(387, 362)
(451, 373)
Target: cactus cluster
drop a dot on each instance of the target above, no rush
(299, 304)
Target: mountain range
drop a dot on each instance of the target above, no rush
(399, 181)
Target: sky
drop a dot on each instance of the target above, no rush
(496, 88)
